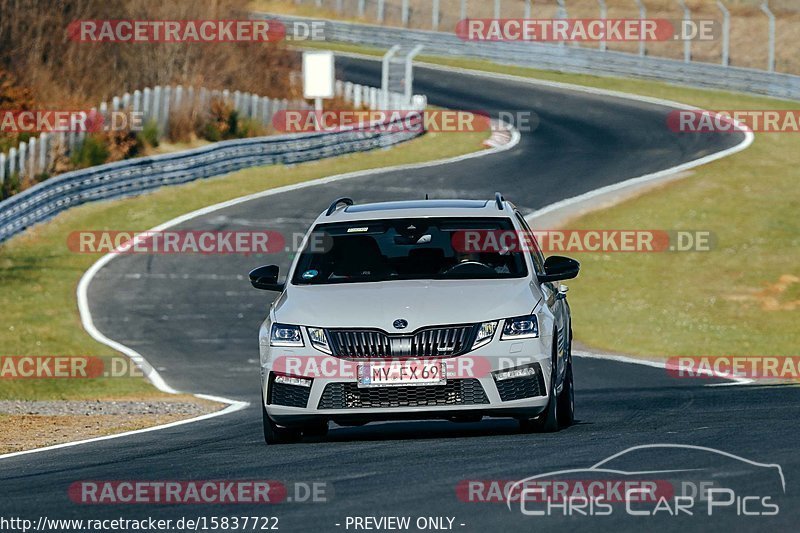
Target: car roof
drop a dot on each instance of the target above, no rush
(416, 209)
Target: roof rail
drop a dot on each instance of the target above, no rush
(498, 199)
(335, 204)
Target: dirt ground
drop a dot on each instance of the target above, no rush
(24, 429)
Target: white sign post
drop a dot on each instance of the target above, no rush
(318, 78)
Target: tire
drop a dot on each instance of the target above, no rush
(547, 422)
(566, 400)
(275, 434)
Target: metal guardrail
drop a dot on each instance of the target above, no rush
(134, 176)
(36, 155)
(564, 58)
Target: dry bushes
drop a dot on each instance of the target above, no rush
(41, 67)
(35, 46)
(16, 97)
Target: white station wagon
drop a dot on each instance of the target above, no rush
(443, 309)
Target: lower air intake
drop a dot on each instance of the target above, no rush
(288, 395)
(350, 396)
(523, 387)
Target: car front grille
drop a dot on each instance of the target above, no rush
(443, 341)
(350, 396)
(359, 343)
(523, 387)
(288, 395)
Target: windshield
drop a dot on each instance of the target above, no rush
(403, 249)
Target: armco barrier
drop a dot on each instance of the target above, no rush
(563, 58)
(35, 156)
(134, 176)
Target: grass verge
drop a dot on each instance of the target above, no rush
(39, 274)
(742, 297)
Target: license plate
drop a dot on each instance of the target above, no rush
(399, 373)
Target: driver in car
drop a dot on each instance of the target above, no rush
(476, 258)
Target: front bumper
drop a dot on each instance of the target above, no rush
(472, 389)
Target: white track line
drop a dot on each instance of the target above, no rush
(748, 140)
(232, 408)
(147, 369)
(735, 380)
(161, 384)
(749, 137)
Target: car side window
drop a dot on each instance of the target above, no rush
(535, 251)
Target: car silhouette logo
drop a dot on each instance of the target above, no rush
(400, 324)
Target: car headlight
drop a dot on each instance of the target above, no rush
(319, 339)
(520, 327)
(485, 334)
(284, 335)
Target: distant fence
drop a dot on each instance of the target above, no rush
(156, 105)
(135, 176)
(572, 59)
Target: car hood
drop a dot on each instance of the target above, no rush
(420, 302)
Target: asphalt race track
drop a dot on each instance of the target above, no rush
(195, 318)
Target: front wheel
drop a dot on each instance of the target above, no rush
(566, 400)
(275, 434)
(547, 422)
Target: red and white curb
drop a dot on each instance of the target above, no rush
(499, 137)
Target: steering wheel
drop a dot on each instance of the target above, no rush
(469, 267)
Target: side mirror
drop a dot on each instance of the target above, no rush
(266, 278)
(557, 268)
